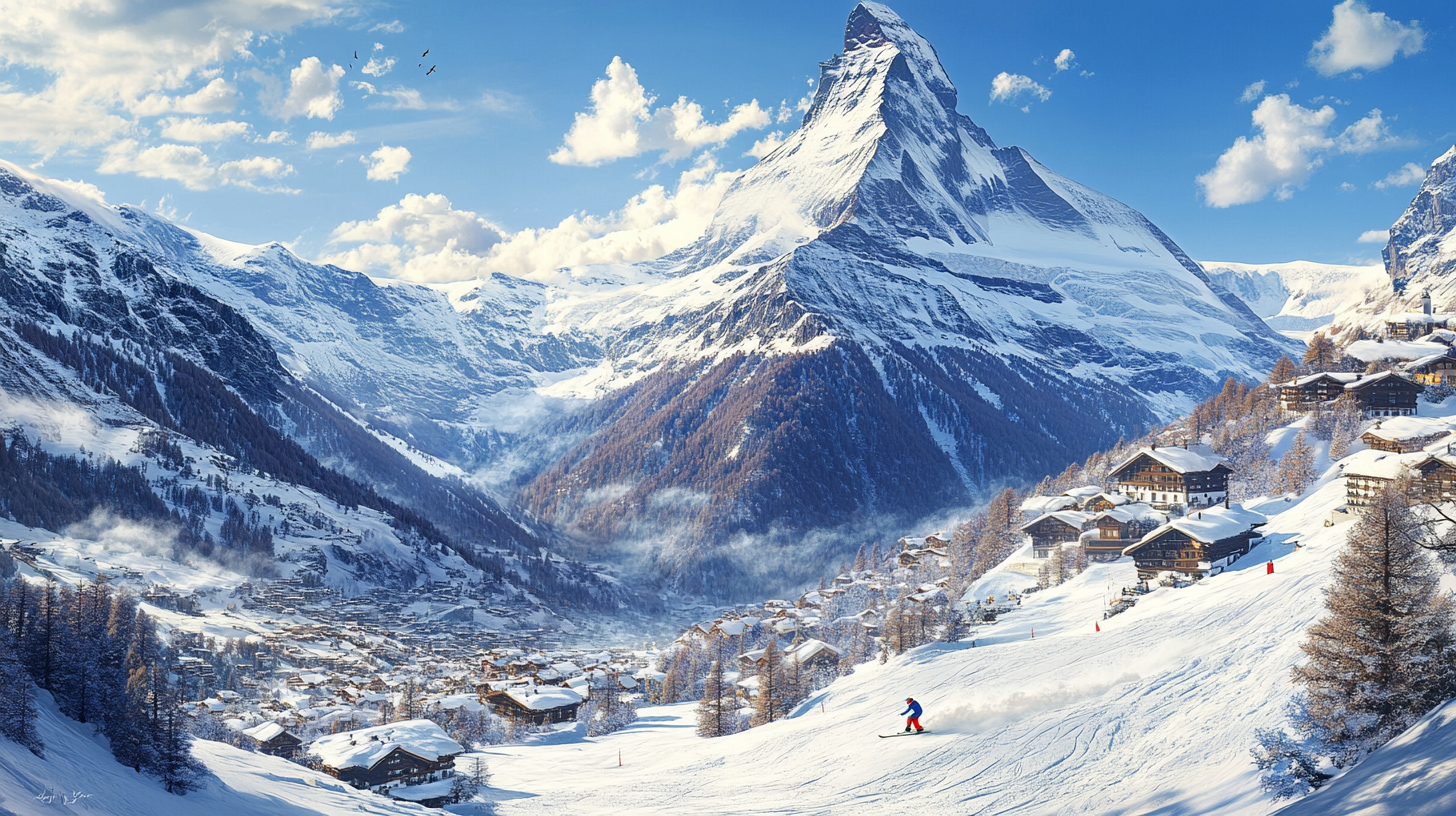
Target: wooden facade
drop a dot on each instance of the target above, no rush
(1408, 444)
(1386, 394)
(1302, 394)
(284, 745)
(1434, 370)
(1438, 479)
(1147, 480)
(507, 706)
(1050, 531)
(396, 768)
(1176, 551)
(1114, 536)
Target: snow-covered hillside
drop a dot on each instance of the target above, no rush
(1044, 714)
(1299, 295)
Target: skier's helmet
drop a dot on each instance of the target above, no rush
(909, 699)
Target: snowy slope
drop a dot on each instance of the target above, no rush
(1299, 295)
(1154, 714)
(1412, 775)
(78, 775)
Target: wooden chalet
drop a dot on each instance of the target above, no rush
(1104, 501)
(1433, 370)
(385, 757)
(1198, 545)
(814, 655)
(272, 739)
(1386, 394)
(1415, 325)
(1368, 472)
(1113, 531)
(1301, 395)
(1405, 434)
(1053, 530)
(1167, 477)
(1438, 478)
(535, 705)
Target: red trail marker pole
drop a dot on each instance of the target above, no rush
(1269, 569)
(1098, 625)
(619, 757)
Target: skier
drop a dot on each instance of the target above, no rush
(913, 719)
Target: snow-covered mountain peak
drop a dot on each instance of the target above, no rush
(875, 25)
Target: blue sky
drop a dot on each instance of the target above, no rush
(205, 111)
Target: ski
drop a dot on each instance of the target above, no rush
(904, 734)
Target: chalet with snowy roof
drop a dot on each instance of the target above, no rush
(1167, 477)
(1302, 394)
(1053, 530)
(535, 704)
(1437, 475)
(272, 739)
(391, 759)
(1434, 369)
(1200, 544)
(1038, 506)
(1386, 394)
(1112, 531)
(1367, 473)
(1406, 434)
(1102, 501)
(814, 654)
(1415, 325)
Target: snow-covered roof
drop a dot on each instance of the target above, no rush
(1074, 518)
(365, 747)
(263, 732)
(1397, 429)
(1367, 350)
(1041, 505)
(1207, 526)
(811, 647)
(732, 627)
(1372, 379)
(1132, 512)
(1448, 354)
(1336, 376)
(540, 698)
(1374, 464)
(1082, 493)
(1193, 459)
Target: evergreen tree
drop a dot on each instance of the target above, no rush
(1286, 767)
(1284, 371)
(1321, 354)
(956, 627)
(17, 706)
(1296, 467)
(1346, 423)
(859, 560)
(718, 710)
(1385, 653)
(767, 705)
(172, 743)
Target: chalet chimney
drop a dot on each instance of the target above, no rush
(1426, 301)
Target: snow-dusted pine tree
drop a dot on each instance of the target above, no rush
(1296, 466)
(17, 706)
(718, 710)
(1347, 422)
(1385, 653)
(1286, 767)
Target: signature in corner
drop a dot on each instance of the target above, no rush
(51, 797)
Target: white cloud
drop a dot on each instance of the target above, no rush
(275, 137)
(1410, 175)
(402, 98)
(1360, 39)
(1292, 141)
(313, 91)
(1374, 236)
(387, 163)
(623, 123)
(391, 27)
(191, 167)
(374, 67)
(1253, 91)
(1007, 87)
(1064, 60)
(424, 239)
(93, 66)
(323, 141)
(201, 131)
(500, 102)
(1347, 187)
(766, 145)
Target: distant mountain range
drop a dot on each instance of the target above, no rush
(888, 316)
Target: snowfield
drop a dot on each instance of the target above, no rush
(1154, 714)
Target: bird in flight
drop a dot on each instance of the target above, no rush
(431, 71)
(426, 54)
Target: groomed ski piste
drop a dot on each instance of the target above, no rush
(1154, 714)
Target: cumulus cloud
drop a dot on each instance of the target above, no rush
(391, 27)
(623, 123)
(93, 66)
(1292, 141)
(377, 67)
(399, 97)
(195, 170)
(766, 145)
(201, 131)
(323, 141)
(387, 163)
(1064, 60)
(1252, 92)
(1008, 87)
(1410, 175)
(1361, 39)
(424, 238)
(275, 137)
(313, 91)
(1374, 236)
